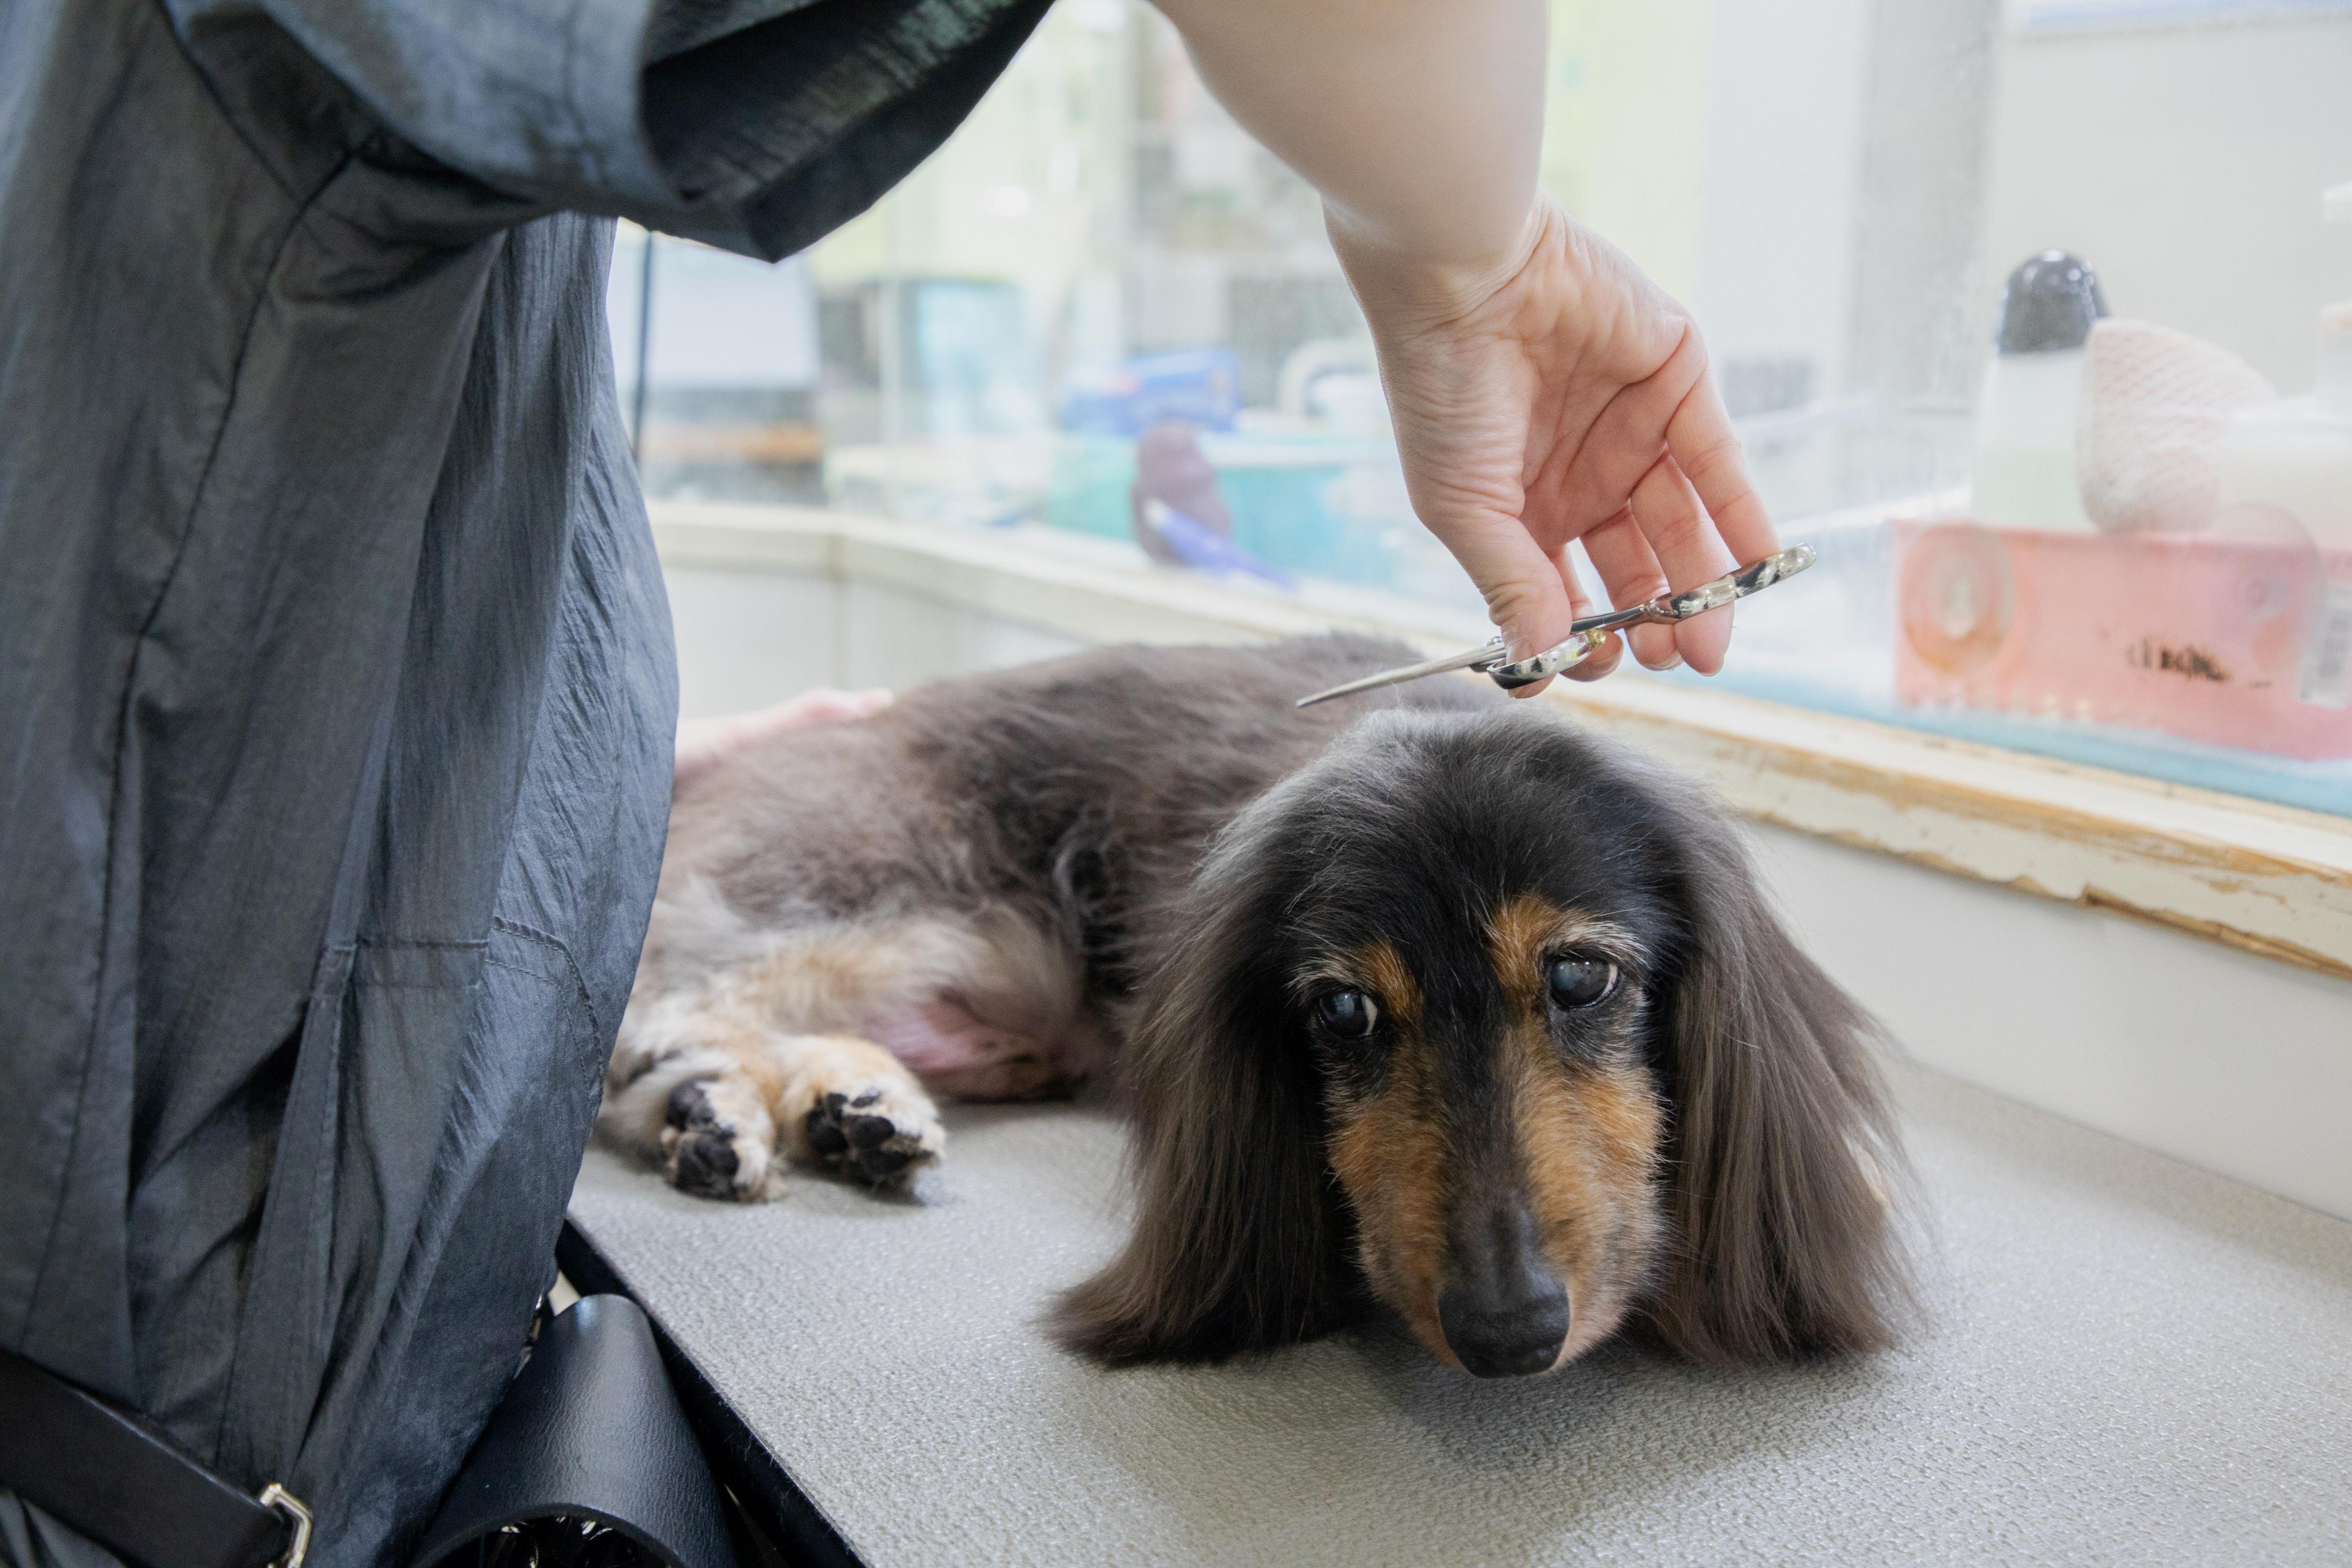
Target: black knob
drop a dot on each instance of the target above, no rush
(2049, 303)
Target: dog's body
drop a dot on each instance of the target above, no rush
(1456, 1006)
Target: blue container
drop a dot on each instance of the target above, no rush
(1199, 386)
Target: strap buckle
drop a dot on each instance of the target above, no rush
(288, 1507)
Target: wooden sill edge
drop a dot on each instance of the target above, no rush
(2267, 879)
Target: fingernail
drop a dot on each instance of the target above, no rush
(1672, 658)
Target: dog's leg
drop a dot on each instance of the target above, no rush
(722, 1100)
(691, 1085)
(719, 1141)
(818, 1048)
(847, 1103)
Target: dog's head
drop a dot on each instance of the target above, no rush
(1480, 1015)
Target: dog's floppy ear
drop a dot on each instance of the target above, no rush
(1236, 1240)
(1782, 1168)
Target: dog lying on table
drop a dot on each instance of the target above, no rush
(1424, 995)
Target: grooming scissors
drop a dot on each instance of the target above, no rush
(1586, 636)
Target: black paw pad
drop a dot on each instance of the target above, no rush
(874, 1166)
(704, 1160)
(690, 1105)
(825, 1134)
(869, 1132)
(705, 1164)
(867, 1147)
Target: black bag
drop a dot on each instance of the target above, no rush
(587, 1463)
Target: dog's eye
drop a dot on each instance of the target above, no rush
(1347, 1015)
(1581, 982)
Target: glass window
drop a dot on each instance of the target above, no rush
(2036, 319)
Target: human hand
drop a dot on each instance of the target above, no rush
(1555, 394)
(704, 744)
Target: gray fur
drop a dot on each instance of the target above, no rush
(1148, 848)
(1077, 792)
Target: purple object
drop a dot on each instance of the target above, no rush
(1170, 467)
(1195, 544)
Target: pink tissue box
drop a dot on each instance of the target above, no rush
(2235, 643)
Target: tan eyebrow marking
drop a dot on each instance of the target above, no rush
(1377, 967)
(1523, 933)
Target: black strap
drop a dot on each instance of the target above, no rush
(106, 1473)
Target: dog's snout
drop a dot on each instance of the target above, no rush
(1503, 1310)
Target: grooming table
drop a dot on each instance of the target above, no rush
(2129, 1361)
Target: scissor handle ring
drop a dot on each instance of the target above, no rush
(1590, 637)
(1549, 663)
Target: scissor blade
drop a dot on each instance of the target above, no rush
(1475, 658)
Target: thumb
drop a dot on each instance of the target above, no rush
(1527, 592)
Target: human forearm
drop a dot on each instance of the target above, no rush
(1542, 390)
(1419, 120)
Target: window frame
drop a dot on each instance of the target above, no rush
(2269, 879)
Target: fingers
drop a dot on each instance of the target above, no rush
(1694, 508)
(1580, 604)
(1683, 538)
(1632, 453)
(1629, 570)
(1533, 597)
(1701, 441)
(704, 744)
(1605, 658)
(825, 705)
(819, 706)
(1526, 597)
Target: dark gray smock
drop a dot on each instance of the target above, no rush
(336, 698)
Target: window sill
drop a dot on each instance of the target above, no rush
(2264, 878)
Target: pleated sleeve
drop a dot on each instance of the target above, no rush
(755, 125)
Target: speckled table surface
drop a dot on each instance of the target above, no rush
(2129, 1361)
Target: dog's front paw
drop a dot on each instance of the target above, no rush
(719, 1142)
(872, 1135)
(858, 1111)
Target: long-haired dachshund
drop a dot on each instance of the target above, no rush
(1425, 996)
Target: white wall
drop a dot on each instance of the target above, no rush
(1783, 167)
(2185, 163)
(720, 320)
(2238, 1064)
(746, 639)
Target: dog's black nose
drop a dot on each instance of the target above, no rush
(1504, 1311)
